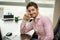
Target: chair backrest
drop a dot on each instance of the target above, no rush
(57, 26)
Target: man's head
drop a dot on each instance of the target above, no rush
(32, 9)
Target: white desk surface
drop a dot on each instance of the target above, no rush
(10, 26)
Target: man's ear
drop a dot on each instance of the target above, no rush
(37, 9)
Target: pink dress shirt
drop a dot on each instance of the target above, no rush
(42, 26)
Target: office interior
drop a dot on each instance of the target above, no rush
(17, 8)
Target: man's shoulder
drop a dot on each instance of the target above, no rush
(43, 17)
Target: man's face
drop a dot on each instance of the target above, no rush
(32, 11)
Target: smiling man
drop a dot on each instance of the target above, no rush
(40, 24)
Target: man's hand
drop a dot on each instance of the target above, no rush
(26, 17)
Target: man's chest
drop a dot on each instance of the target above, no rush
(38, 26)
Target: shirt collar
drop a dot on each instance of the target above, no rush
(37, 18)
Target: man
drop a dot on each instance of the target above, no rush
(41, 25)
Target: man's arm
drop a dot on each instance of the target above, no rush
(48, 29)
(25, 28)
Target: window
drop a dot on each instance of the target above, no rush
(44, 1)
(13, 0)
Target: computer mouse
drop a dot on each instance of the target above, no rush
(9, 34)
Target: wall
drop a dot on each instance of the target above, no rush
(56, 12)
(1, 11)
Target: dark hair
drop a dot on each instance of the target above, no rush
(32, 4)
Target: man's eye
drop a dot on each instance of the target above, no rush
(28, 10)
(32, 9)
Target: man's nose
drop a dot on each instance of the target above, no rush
(31, 12)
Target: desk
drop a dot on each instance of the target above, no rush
(10, 26)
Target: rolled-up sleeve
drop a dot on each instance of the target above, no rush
(48, 29)
(25, 28)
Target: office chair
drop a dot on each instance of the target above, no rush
(34, 36)
(57, 30)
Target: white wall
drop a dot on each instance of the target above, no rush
(16, 10)
(1, 12)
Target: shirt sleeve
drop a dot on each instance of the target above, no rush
(48, 29)
(25, 28)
